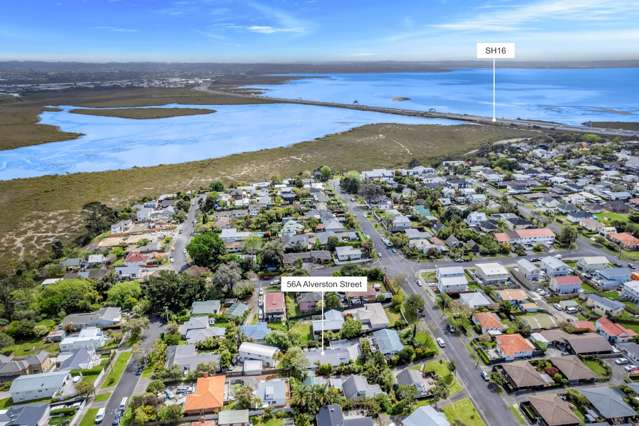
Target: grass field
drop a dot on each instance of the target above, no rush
(303, 330)
(89, 417)
(115, 374)
(142, 113)
(464, 412)
(102, 396)
(596, 366)
(627, 125)
(30, 347)
(440, 368)
(610, 216)
(37, 211)
(540, 321)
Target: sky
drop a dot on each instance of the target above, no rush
(314, 30)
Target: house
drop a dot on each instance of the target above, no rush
(630, 291)
(533, 236)
(40, 386)
(81, 359)
(474, 300)
(488, 322)
(25, 415)
(333, 321)
(258, 352)
(233, 418)
(426, 416)
(331, 415)
(609, 403)
(554, 267)
(451, 279)
(355, 387)
(592, 263)
(387, 341)
(307, 301)
(347, 253)
(630, 350)
(588, 344)
(514, 296)
(232, 235)
(475, 218)
(255, 332)
(95, 260)
(604, 306)
(208, 396)
(186, 358)
(553, 410)
(121, 226)
(610, 278)
(565, 284)
(274, 306)
(575, 371)
(272, 393)
(12, 368)
(372, 316)
(520, 375)
(236, 310)
(399, 223)
(206, 307)
(613, 332)
(89, 338)
(491, 273)
(411, 377)
(102, 318)
(514, 346)
(625, 239)
(339, 352)
(528, 271)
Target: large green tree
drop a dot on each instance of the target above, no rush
(67, 297)
(206, 248)
(173, 292)
(124, 294)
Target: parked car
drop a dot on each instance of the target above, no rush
(441, 342)
(485, 375)
(100, 415)
(420, 283)
(557, 306)
(621, 361)
(630, 367)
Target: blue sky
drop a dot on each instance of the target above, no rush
(314, 30)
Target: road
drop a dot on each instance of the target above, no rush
(182, 237)
(502, 122)
(129, 380)
(492, 408)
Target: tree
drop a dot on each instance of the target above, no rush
(351, 328)
(226, 275)
(252, 245)
(67, 296)
(98, 218)
(156, 386)
(206, 249)
(332, 301)
(294, 363)
(5, 340)
(57, 249)
(332, 242)
(272, 255)
(216, 186)
(567, 236)
(325, 173)
(278, 339)
(84, 388)
(170, 413)
(124, 294)
(21, 329)
(413, 306)
(168, 291)
(309, 399)
(245, 398)
(350, 182)
(135, 326)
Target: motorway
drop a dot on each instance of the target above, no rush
(478, 119)
(129, 380)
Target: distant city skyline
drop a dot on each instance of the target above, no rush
(315, 30)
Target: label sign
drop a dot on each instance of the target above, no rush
(495, 50)
(322, 284)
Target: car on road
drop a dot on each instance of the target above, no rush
(557, 306)
(485, 375)
(116, 420)
(394, 250)
(420, 283)
(99, 416)
(452, 329)
(261, 291)
(621, 361)
(630, 367)
(631, 266)
(441, 342)
(123, 403)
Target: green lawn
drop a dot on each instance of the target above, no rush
(5, 403)
(118, 368)
(271, 422)
(279, 326)
(424, 339)
(607, 216)
(440, 368)
(102, 397)
(30, 347)
(292, 308)
(303, 330)
(596, 366)
(464, 412)
(517, 415)
(393, 317)
(89, 417)
(429, 276)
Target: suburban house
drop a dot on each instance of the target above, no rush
(272, 393)
(588, 344)
(412, 377)
(333, 321)
(575, 371)
(565, 284)
(186, 358)
(258, 352)
(39, 386)
(528, 271)
(339, 352)
(208, 396)
(625, 239)
(592, 263)
(514, 296)
(255, 332)
(89, 338)
(81, 359)
(274, 306)
(610, 278)
(102, 318)
(604, 306)
(307, 301)
(609, 403)
(206, 307)
(630, 291)
(527, 237)
(451, 279)
(356, 387)
(27, 415)
(514, 346)
(347, 253)
(231, 418)
(521, 375)
(426, 416)
(475, 300)
(552, 410)
(372, 316)
(387, 341)
(613, 332)
(488, 322)
(332, 415)
(491, 273)
(554, 267)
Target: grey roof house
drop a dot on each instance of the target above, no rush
(608, 402)
(206, 307)
(387, 341)
(272, 393)
(39, 386)
(356, 387)
(102, 318)
(187, 358)
(332, 415)
(25, 415)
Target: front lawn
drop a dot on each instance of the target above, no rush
(118, 369)
(596, 366)
(441, 370)
(30, 347)
(607, 216)
(102, 397)
(463, 412)
(89, 417)
(303, 331)
(393, 316)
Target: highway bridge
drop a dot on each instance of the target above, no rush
(477, 119)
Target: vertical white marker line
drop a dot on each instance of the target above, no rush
(495, 51)
(322, 323)
(494, 117)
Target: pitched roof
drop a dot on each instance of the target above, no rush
(208, 394)
(572, 367)
(554, 410)
(388, 341)
(274, 302)
(488, 321)
(512, 294)
(608, 402)
(568, 280)
(512, 344)
(426, 416)
(588, 343)
(524, 375)
(614, 329)
(535, 233)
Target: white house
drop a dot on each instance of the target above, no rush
(592, 263)
(492, 273)
(451, 279)
(528, 270)
(630, 291)
(475, 218)
(39, 386)
(346, 253)
(257, 352)
(554, 267)
(88, 338)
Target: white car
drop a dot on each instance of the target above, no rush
(100, 415)
(485, 375)
(441, 342)
(630, 367)
(420, 283)
(621, 361)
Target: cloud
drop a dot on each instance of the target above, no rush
(267, 29)
(279, 21)
(116, 29)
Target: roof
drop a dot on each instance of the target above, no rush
(488, 321)
(208, 394)
(356, 386)
(553, 262)
(388, 341)
(409, 376)
(535, 233)
(491, 268)
(274, 302)
(331, 415)
(271, 390)
(584, 325)
(567, 280)
(512, 344)
(527, 265)
(187, 356)
(474, 299)
(572, 367)
(236, 310)
(512, 294)
(625, 238)
(588, 343)
(255, 331)
(231, 417)
(205, 307)
(27, 415)
(608, 402)
(426, 416)
(257, 349)
(524, 375)
(553, 409)
(594, 260)
(34, 381)
(80, 356)
(613, 329)
(603, 301)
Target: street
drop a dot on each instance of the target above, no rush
(183, 236)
